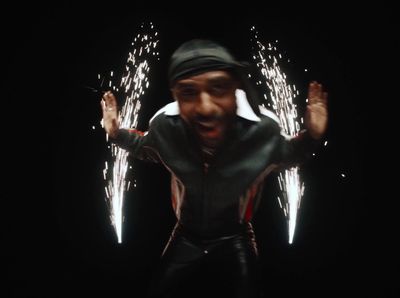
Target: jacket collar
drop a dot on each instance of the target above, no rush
(243, 108)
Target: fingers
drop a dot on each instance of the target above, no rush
(109, 102)
(316, 94)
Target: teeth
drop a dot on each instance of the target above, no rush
(206, 124)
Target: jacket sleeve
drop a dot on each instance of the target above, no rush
(139, 144)
(295, 151)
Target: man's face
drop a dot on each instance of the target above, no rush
(207, 102)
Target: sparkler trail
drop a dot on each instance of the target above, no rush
(133, 83)
(281, 94)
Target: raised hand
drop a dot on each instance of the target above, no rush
(316, 118)
(110, 114)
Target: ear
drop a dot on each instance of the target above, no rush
(173, 92)
(239, 84)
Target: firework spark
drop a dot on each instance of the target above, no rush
(281, 96)
(134, 81)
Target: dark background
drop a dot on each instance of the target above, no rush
(57, 229)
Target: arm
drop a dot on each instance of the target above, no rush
(298, 149)
(139, 144)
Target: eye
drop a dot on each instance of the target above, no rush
(187, 92)
(221, 88)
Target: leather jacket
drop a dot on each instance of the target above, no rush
(216, 198)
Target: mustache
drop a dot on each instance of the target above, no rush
(211, 118)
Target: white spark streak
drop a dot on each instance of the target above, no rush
(133, 84)
(281, 95)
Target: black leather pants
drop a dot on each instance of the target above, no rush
(226, 265)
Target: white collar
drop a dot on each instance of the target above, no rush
(244, 109)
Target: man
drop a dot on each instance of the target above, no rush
(218, 145)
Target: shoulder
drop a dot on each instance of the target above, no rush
(166, 118)
(269, 114)
(270, 119)
(171, 109)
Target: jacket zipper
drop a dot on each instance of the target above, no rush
(204, 196)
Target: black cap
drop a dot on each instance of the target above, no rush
(197, 56)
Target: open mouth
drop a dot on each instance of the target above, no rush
(208, 130)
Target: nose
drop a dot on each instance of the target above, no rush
(205, 107)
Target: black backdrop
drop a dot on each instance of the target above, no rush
(57, 228)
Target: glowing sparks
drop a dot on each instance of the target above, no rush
(281, 96)
(134, 82)
(292, 192)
